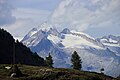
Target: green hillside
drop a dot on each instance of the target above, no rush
(43, 73)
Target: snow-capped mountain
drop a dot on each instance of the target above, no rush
(95, 54)
(112, 42)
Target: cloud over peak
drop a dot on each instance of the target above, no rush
(83, 14)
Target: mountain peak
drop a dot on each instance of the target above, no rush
(34, 29)
(66, 31)
(110, 39)
(30, 33)
(53, 31)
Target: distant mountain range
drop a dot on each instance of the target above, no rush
(95, 53)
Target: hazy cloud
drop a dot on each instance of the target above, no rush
(36, 4)
(35, 14)
(6, 16)
(83, 14)
(20, 27)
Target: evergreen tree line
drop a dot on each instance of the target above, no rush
(23, 55)
(75, 60)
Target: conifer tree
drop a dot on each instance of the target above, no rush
(49, 61)
(76, 61)
(102, 70)
(118, 77)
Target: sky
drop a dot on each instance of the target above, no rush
(94, 17)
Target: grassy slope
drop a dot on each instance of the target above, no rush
(42, 73)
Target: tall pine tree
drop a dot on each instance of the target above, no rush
(76, 61)
(49, 61)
